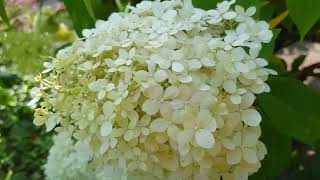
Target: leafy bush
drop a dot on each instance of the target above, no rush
(23, 147)
(26, 41)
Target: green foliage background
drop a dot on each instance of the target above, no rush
(291, 124)
(28, 37)
(23, 147)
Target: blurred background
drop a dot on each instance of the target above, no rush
(32, 31)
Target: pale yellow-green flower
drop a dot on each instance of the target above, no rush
(163, 90)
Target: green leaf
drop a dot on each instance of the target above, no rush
(205, 4)
(267, 11)
(103, 8)
(248, 3)
(3, 13)
(279, 151)
(267, 49)
(278, 65)
(293, 109)
(304, 13)
(81, 14)
(88, 4)
(297, 63)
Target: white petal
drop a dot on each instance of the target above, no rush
(106, 128)
(194, 64)
(250, 137)
(113, 142)
(101, 94)
(229, 15)
(159, 125)
(155, 91)
(108, 108)
(241, 67)
(251, 11)
(204, 138)
(223, 6)
(208, 62)
(151, 107)
(230, 86)
(133, 117)
(166, 110)
(169, 15)
(104, 147)
(164, 64)
(160, 75)
(247, 100)
(261, 62)
(238, 54)
(128, 135)
(177, 67)
(251, 117)
(239, 9)
(261, 150)
(204, 87)
(234, 156)
(249, 155)
(272, 72)
(39, 120)
(235, 99)
(51, 123)
(171, 92)
(98, 85)
(85, 66)
(185, 78)
(196, 17)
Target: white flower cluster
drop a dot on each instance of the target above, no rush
(163, 90)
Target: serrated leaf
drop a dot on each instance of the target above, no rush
(293, 109)
(304, 13)
(3, 13)
(81, 14)
(279, 151)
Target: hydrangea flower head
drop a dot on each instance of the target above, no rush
(163, 90)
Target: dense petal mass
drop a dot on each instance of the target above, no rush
(163, 90)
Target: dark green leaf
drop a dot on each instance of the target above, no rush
(3, 13)
(81, 14)
(315, 164)
(205, 4)
(88, 4)
(279, 151)
(248, 3)
(267, 11)
(102, 8)
(297, 63)
(8, 80)
(293, 109)
(304, 13)
(278, 65)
